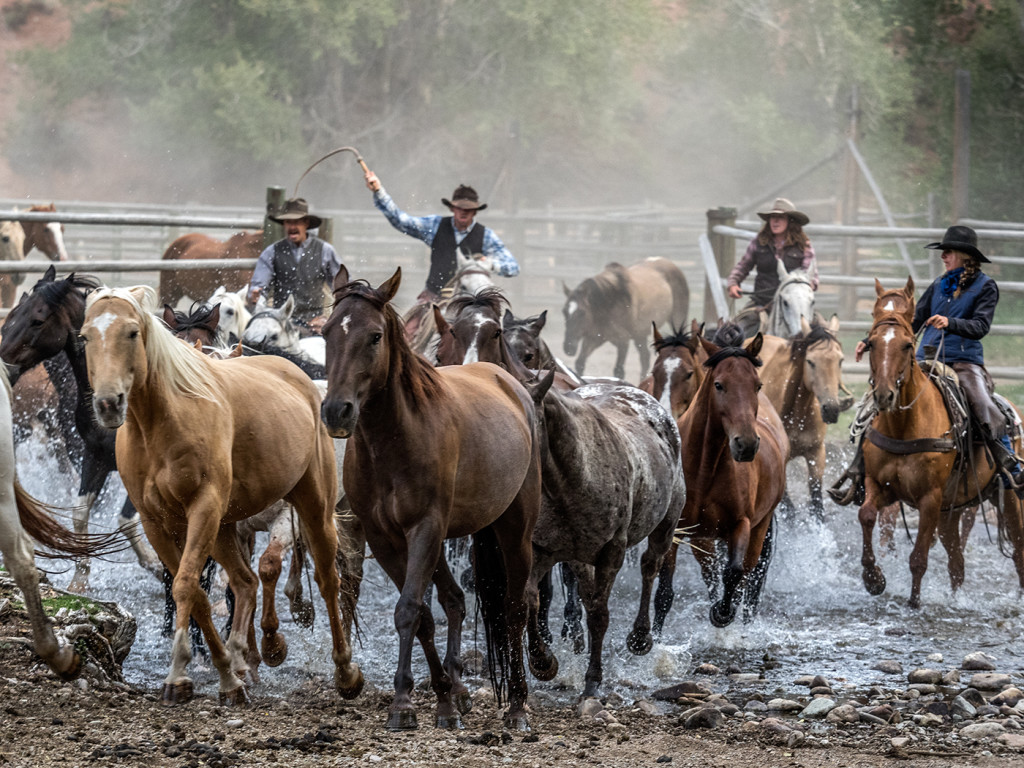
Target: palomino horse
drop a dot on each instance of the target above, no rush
(12, 248)
(200, 283)
(911, 454)
(22, 519)
(198, 449)
(45, 323)
(435, 453)
(619, 304)
(734, 450)
(802, 378)
(612, 478)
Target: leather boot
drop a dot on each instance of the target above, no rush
(855, 474)
(1011, 470)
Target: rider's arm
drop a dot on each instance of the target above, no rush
(923, 309)
(501, 259)
(743, 266)
(810, 265)
(331, 263)
(977, 325)
(421, 227)
(262, 274)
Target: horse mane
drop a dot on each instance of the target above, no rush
(677, 338)
(729, 335)
(726, 352)
(54, 292)
(819, 333)
(312, 369)
(416, 375)
(196, 317)
(182, 368)
(490, 298)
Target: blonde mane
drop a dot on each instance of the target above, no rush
(181, 368)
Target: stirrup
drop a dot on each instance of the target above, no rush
(855, 493)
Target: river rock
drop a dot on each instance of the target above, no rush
(987, 710)
(708, 717)
(934, 658)
(989, 681)
(679, 690)
(745, 677)
(924, 675)
(889, 667)
(978, 731)
(964, 708)
(589, 707)
(775, 725)
(707, 669)
(978, 661)
(648, 708)
(844, 713)
(617, 730)
(1009, 697)
(925, 689)
(755, 706)
(805, 680)
(821, 690)
(928, 720)
(952, 677)
(818, 708)
(1012, 740)
(939, 708)
(973, 696)
(784, 705)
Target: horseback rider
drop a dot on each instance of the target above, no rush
(445, 234)
(298, 265)
(781, 238)
(956, 313)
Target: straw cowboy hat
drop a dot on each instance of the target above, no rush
(465, 198)
(962, 239)
(782, 207)
(296, 208)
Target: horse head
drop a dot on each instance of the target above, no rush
(793, 302)
(890, 347)
(199, 325)
(822, 354)
(47, 236)
(473, 332)
(894, 300)
(234, 315)
(472, 274)
(729, 394)
(273, 327)
(12, 241)
(678, 370)
(523, 337)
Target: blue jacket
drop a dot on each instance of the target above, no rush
(970, 317)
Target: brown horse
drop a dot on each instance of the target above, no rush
(198, 284)
(910, 454)
(199, 449)
(435, 454)
(619, 304)
(734, 450)
(677, 371)
(46, 236)
(802, 378)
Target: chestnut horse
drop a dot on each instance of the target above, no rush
(910, 454)
(734, 450)
(198, 449)
(677, 370)
(200, 283)
(45, 236)
(435, 453)
(619, 304)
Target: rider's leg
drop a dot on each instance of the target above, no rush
(855, 471)
(977, 387)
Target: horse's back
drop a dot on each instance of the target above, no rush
(200, 283)
(660, 292)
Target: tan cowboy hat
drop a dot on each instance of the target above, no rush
(783, 207)
(296, 208)
(465, 198)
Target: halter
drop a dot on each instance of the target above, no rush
(931, 375)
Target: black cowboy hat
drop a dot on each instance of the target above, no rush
(962, 239)
(295, 208)
(465, 198)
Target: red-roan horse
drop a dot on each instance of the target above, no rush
(435, 454)
(918, 467)
(201, 283)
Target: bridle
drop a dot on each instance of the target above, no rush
(896, 321)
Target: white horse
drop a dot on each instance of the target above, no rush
(472, 273)
(234, 316)
(274, 327)
(793, 303)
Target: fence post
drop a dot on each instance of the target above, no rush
(272, 231)
(724, 247)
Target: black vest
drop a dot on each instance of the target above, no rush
(442, 252)
(767, 281)
(302, 279)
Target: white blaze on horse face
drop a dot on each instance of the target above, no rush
(669, 366)
(58, 238)
(889, 306)
(571, 308)
(346, 321)
(890, 334)
(102, 323)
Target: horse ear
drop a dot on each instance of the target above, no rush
(657, 336)
(538, 321)
(709, 347)
(439, 320)
(289, 306)
(566, 289)
(508, 318)
(542, 387)
(145, 296)
(341, 279)
(908, 289)
(754, 346)
(198, 345)
(221, 290)
(237, 351)
(780, 269)
(696, 329)
(215, 315)
(50, 275)
(169, 319)
(390, 286)
(879, 290)
(833, 324)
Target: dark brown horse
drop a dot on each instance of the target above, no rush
(734, 460)
(435, 454)
(910, 454)
(619, 304)
(199, 284)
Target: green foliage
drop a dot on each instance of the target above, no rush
(52, 605)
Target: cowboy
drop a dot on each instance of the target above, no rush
(298, 265)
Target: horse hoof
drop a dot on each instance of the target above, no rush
(463, 701)
(640, 643)
(544, 668)
(720, 617)
(517, 722)
(449, 722)
(74, 668)
(176, 693)
(914, 602)
(274, 650)
(402, 720)
(303, 615)
(874, 582)
(349, 690)
(234, 698)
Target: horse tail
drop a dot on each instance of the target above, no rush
(680, 294)
(491, 590)
(40, 525)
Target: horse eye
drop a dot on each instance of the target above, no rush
(497, 334)
(375, 339)
(689, 376)
(759, 385)
(528, 357)
(811, 363)
(134, 334)
(907, 346)
(719, 387)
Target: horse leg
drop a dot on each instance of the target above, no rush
(967, 519)
(763, 544)
(453, 600)
(302, 610)
(645, 355)
(273, 646)
(595, 589)
(659, 541)
(1012, 513)
(545, 594)
(724, 611)
(708, 554)
(949, 535)
(128, 524)
(349, 561)
(80, 521)
(887, 519)
(665, 594)
(543, 663)
(874, 580)
(234, 673)
(572, 626)
(587, 345)
(929, 508)
(815, 477)
(621, 349)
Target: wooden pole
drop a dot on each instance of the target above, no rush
(272, 231)
(724, 247)
(961, 145)
(850, 206)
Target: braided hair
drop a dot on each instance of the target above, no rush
(972, 268)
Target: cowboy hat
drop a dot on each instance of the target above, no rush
(782, 207)
(962, 239)
(296, 208)
(465, 198)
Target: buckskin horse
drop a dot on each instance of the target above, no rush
(618, 305)
(911, 454)
(198, 449)
(435, 454)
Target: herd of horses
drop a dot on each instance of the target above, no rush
(480, 432)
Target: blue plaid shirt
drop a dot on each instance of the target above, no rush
(425, 228)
